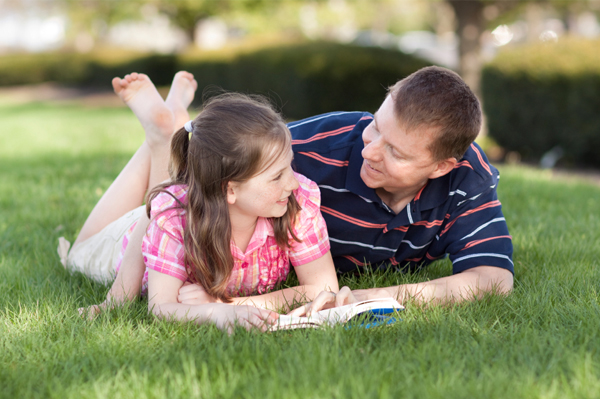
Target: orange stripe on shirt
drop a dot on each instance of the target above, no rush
(354, 260)
(420, 191)
(352, 220)
(429, 224)
(320, 136)
(490, 204)
(328, 161)
(403, 229)
(463, 163)
(483, 163)
(473, 243)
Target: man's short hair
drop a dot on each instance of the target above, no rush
(438, 98)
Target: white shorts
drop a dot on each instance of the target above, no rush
(97, 256)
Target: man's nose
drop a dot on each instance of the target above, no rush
(372, 150)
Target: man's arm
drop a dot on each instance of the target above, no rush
(470, 284)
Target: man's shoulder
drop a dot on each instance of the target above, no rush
(333, 128)
(474, 173)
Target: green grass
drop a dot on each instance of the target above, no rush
(540, 342)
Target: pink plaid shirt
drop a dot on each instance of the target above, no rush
(262, 266)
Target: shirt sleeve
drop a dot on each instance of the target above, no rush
(477, 235)
(163, 244)
(310, 226)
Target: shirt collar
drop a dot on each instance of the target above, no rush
(263, 229)
(434, 193)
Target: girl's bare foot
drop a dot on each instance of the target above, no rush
(180, 96)
(138, 92)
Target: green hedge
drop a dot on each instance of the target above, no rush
(302, 79)
(538, 97)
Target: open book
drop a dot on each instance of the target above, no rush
(370, 313)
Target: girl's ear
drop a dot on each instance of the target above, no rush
(231, 190)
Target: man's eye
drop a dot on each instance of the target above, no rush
(394, 153)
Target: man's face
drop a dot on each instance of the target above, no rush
(396, 163)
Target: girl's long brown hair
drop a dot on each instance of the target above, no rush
(234, 138)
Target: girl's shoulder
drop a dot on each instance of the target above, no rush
(307, 195)
(167, 203)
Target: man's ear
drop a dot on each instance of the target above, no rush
(231, 193)
(443, 167)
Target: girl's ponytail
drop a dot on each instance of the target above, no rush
(178, 167)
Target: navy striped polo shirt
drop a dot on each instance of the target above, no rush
(458, 214)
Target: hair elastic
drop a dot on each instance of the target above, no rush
(188, 127)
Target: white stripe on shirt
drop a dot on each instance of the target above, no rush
(360, 244)
(482, 227)
(484, 255)
(291, 125)
(410, 244)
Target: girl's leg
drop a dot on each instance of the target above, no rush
(148, 166)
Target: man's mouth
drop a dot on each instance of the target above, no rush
(370, 167)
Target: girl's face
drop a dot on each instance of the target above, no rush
(266, 194)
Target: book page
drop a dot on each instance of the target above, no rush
(337, 315)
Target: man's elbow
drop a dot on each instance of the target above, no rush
(494, 279)
(500, 281)
(506, 282)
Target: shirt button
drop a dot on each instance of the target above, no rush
(244, 265)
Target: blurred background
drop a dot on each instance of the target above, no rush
(534, 64)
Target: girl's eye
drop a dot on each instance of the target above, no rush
(278, 177)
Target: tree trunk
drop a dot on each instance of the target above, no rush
(470, 26)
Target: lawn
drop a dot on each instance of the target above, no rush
(542, 341)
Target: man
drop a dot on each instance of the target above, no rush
(407, 186)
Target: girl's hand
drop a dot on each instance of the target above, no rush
(325, 300)
(226, 317)
(91, 312)
(194, 294)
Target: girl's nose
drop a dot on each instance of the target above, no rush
(293, 183)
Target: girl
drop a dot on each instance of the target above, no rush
(231, 217)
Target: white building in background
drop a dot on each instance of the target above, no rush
(32, 31)
(154, 32)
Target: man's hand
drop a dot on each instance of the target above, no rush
(326, 300)
(194, 294)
